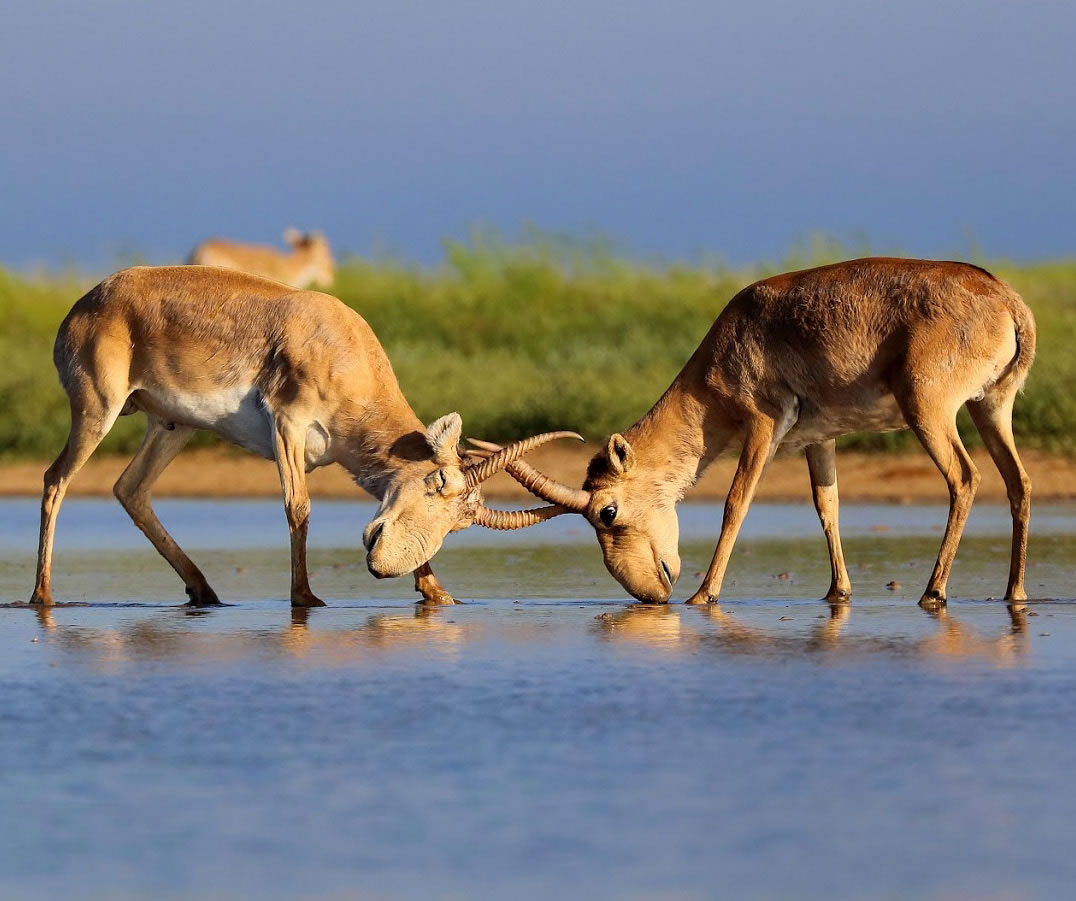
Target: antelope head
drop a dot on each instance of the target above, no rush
(441, 493)
(314, 247)
(634, 519)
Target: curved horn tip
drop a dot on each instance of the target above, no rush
(478, 474)
(491, 446)
(483, 445)
(509, 520)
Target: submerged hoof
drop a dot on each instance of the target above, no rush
(932, 601)
(699, 599)
(41, 599)
(202, 597)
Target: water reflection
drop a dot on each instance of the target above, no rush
(955, 639)
(678, 629)
(653, 624)
(173, 639)
(822, 636)
(426, 626)
(314, 637)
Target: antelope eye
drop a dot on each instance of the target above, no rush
(441, 480)
(607, 515)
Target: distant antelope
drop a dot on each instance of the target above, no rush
(293, 376)
(310, 261)
(799, 360)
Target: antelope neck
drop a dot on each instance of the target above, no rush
(378, 448)
(669, 442)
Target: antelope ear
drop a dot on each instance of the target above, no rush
(292, 236)
(443, 436)
(621, 456)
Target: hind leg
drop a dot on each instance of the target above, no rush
(91, 419)
(934, 423)
(132, 490)
(993, 418)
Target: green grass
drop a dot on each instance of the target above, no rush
(523, 338)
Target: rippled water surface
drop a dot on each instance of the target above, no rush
(545, 736)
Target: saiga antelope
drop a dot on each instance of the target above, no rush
(798, 360)
(293, 376)
(310, 261)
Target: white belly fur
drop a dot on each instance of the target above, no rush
(833, 422)
(882, 414)
(238, 415)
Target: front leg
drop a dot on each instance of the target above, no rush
(822, 465)
(763, 435)
(290, 450)
(427, 585)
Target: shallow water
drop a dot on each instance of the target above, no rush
(546, 736)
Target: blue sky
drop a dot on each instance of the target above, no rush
(679, 128)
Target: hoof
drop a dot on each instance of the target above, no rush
(700, 600)
(932, 601)
(306, 601)
(437, 599)
(838, 596)
(41, 599)
(202, 597)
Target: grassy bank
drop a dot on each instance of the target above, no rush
(523, 338)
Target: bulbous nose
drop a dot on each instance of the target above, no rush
(372, 534)
(671, 575)
(370, 538)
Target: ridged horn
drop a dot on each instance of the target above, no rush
(538, 483)
(506, 520)
(478, 473)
